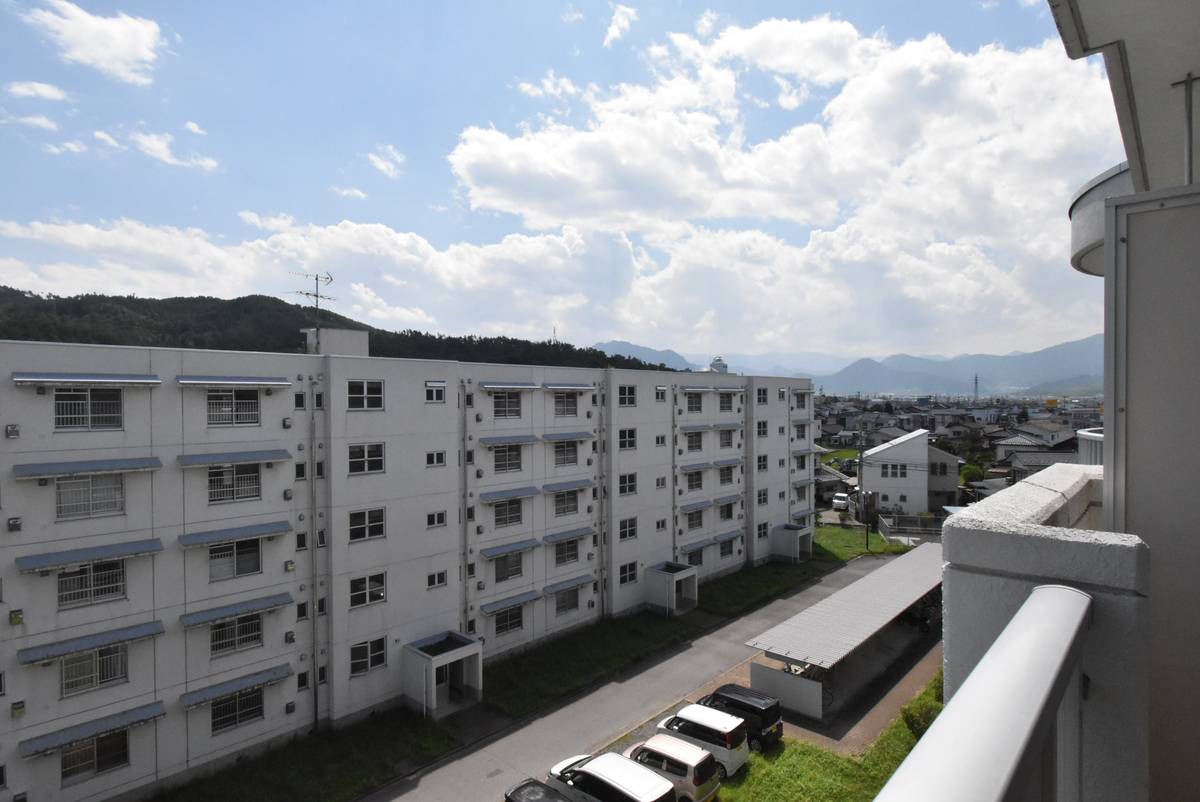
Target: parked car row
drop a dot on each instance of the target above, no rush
(690, 754)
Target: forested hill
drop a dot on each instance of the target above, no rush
(254, 323)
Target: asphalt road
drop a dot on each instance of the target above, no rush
(609, 711)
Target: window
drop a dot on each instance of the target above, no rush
(320, 675)
(802, 400)
(96, 755)
(86, 671)
(566, 551)
(903, 470)
(660, 439)
(237, 709)
(364, 395)
(435, 580)
(470, 456)
(696, 557)
(726, 547)
(660, 393)
(695, 519)
(506, 405)
(435, 459)
(243, 632)
(726, 438)
(320, 470)
(87, 409)
(725, 512)
(884, 497)
(627, 395)
(302, 681)
(508, 512)
(320, 538)
(229, 560)
(321, 606)
(566, 503)
(366, 524)
(903, 497)
(507, 459)
(762, 530)
(802, 462)
(725, 476)
(566, 405)
(470, 626)
(626, 439)
(298, 400)
(470, 570)
(318, 400)
(433, 519)
(628, 573)
(302, 611)
(695, 480)
(469, 400)
(695, 402)
(301, 471)
(801, 431)
(725, 402)
(508, 566)
(366, 590)
(92, 583)
(761, 395)
(660, 482)
(234, 483)
(89, 496)
(366, 458)
(695, 441)
(566, 453)
(782, 394)
(471, 513)
(435, 392)
(626, 484)
(301, 541)
(233, 408)
(762, 497)
(782, 495)
(660, 525)
(566, 602)
(627, 528)
(762, 428)
(510, 620)
(761, 462)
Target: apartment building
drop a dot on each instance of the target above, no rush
(207, 551)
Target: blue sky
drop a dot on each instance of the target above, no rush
(860, 177)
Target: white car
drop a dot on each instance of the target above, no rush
(692, 770)
(720, 733)
(608, 778)
(841, 501)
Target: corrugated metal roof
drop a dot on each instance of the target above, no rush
(568, 387)
(688, 548)
(268, 676)
(573, 484)
(695, 466)
(695, 427)
(48, 470)
(62, 648)
(228, 611)
(727, 499)
(725, 536)
(194, 539)
(500, 385)
(106, 379)
(727, 426)
(509, 548)
(835, 626)
(31, 563)
(570, 534)
(725, 463)
(508, 439)
(235, 381)
(554, 437)
(567, 584)
(492, 608)
(695, 505)
(492, 496)
(53, 741)
(896, 442)
(233, 457)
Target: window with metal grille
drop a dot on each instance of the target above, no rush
(725, 402)
(368, 655)
(695, 480)
(433, 519)
(91, 583)
(801, 431)
(301, 471)
(506, 405)
(725, 475)
(298, 400)
(567, 601)
(507, 459)
(88, 409)
(364, 395)
(508, 566)
(695, 402)
(725, 511)
(89, 496)
(726, 548)
(695, 441)
(366, 458)
(566, 454)
(802, 493)
(566, 551)
(628, 573)
(566, 503)
(233, 408)
(762, 530)
(696, 557)
(566, 405)
(236, 709)
(365, 524)
(627, 528)
(627, 395)
(229, 560)
(243, 632)
(626, 484)
(726, 439)
(626, 439)
(86, 671)
(508, 513)
(234, 483)
(802, 462)
(695, 519)
(368, 590)
(510, 620)
(96, 755)
(435, 392)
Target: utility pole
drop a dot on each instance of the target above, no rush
(316, 297)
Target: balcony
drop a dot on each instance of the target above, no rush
(1046, 642)
(1087, 217)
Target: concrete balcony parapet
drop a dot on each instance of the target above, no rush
(1087, 217)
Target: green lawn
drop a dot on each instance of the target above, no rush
(734, 594)
(839, 544)
(331, 766)
(801, 772)
(839, 454)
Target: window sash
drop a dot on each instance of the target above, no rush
(695, 441)
(364, 394)
(726, 402)
(510, 620)
(627, 529)
(726, 548)
(695, 519)
(506, 405)
(96, 755)
(94, 409)
(89, 496)
(229, 560)
(234, 483)
(508, 513)
(566, 503)
(244, 632)
(507, 459)
(368, 655)
(566, 454)
(94, 669)
(627, 484)
(726, 475)
(366, 458)
(566, 552)
(628, 573)
(726, 439)
(695, 480)
(509, 566)
(370, 589)
(91, 583)
(567, 601)
(695, 402)
(367, 524)
(627, 395)
(233, 408)
(566, 405)
(236, 709)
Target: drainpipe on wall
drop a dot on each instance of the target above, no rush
(312, 545)
(464, 556)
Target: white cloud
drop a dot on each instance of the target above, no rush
(122, 47)
(374, 307)
(350, 192)
(790, 97)
(107, 139)
(195, 128)
(277, 222)
(74, 146)
(622, 18)
(32, 121)
(571, 14)
(707, 23)
(387, 160)
(550, 86)
(158, 146)
(36, 89)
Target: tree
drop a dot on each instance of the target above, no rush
(1023, 415)
(971, 473)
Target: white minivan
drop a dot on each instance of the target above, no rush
(841, 501)
(692, 770)
(720, 733)
(608, 778)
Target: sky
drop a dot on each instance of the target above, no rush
(855, 178)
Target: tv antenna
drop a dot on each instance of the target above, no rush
(316, 296)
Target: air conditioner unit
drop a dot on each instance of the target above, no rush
(589, 413)
(681, 452)
(591, 603)
(14, 524)
(287, 494)
(479, 473)
(479, 585)
(589, 460)
(589, 508)
(287, 423)
(16, 617)
(479, 417)
(289, 565)
(680, 491)
(591, 555)
(18, 709)
(741, 516)
(479, 529)
(12, 430)
(268, 391)
(289, 708)
(289, 637)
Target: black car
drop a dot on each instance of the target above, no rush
(764, 724)
(531, 790)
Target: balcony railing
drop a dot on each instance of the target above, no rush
(236, 413)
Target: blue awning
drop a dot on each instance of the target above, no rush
(567, 387)
(695, 505)
(492, 496)
(688, 548)
(194, 539)
(234, 381)
(491, 608)
(493, 552)
(798, 515)
(34, 378)
(725, 463)
(508, 440)
(258, 679)
(696, 389)
(229, 611)
(32, 563)
(51, 470)
(52, 742)
(570, 534)
(561, 487)
(500, 385)
(695, 466)
(802, 450)
(233, 457)
(727, 499)
(727, 427)
(556, 437)
(695, 427)
(729, 389)
(568, 584)
(726, 536)
(52, 651)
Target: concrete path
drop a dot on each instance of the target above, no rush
(603, 715)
